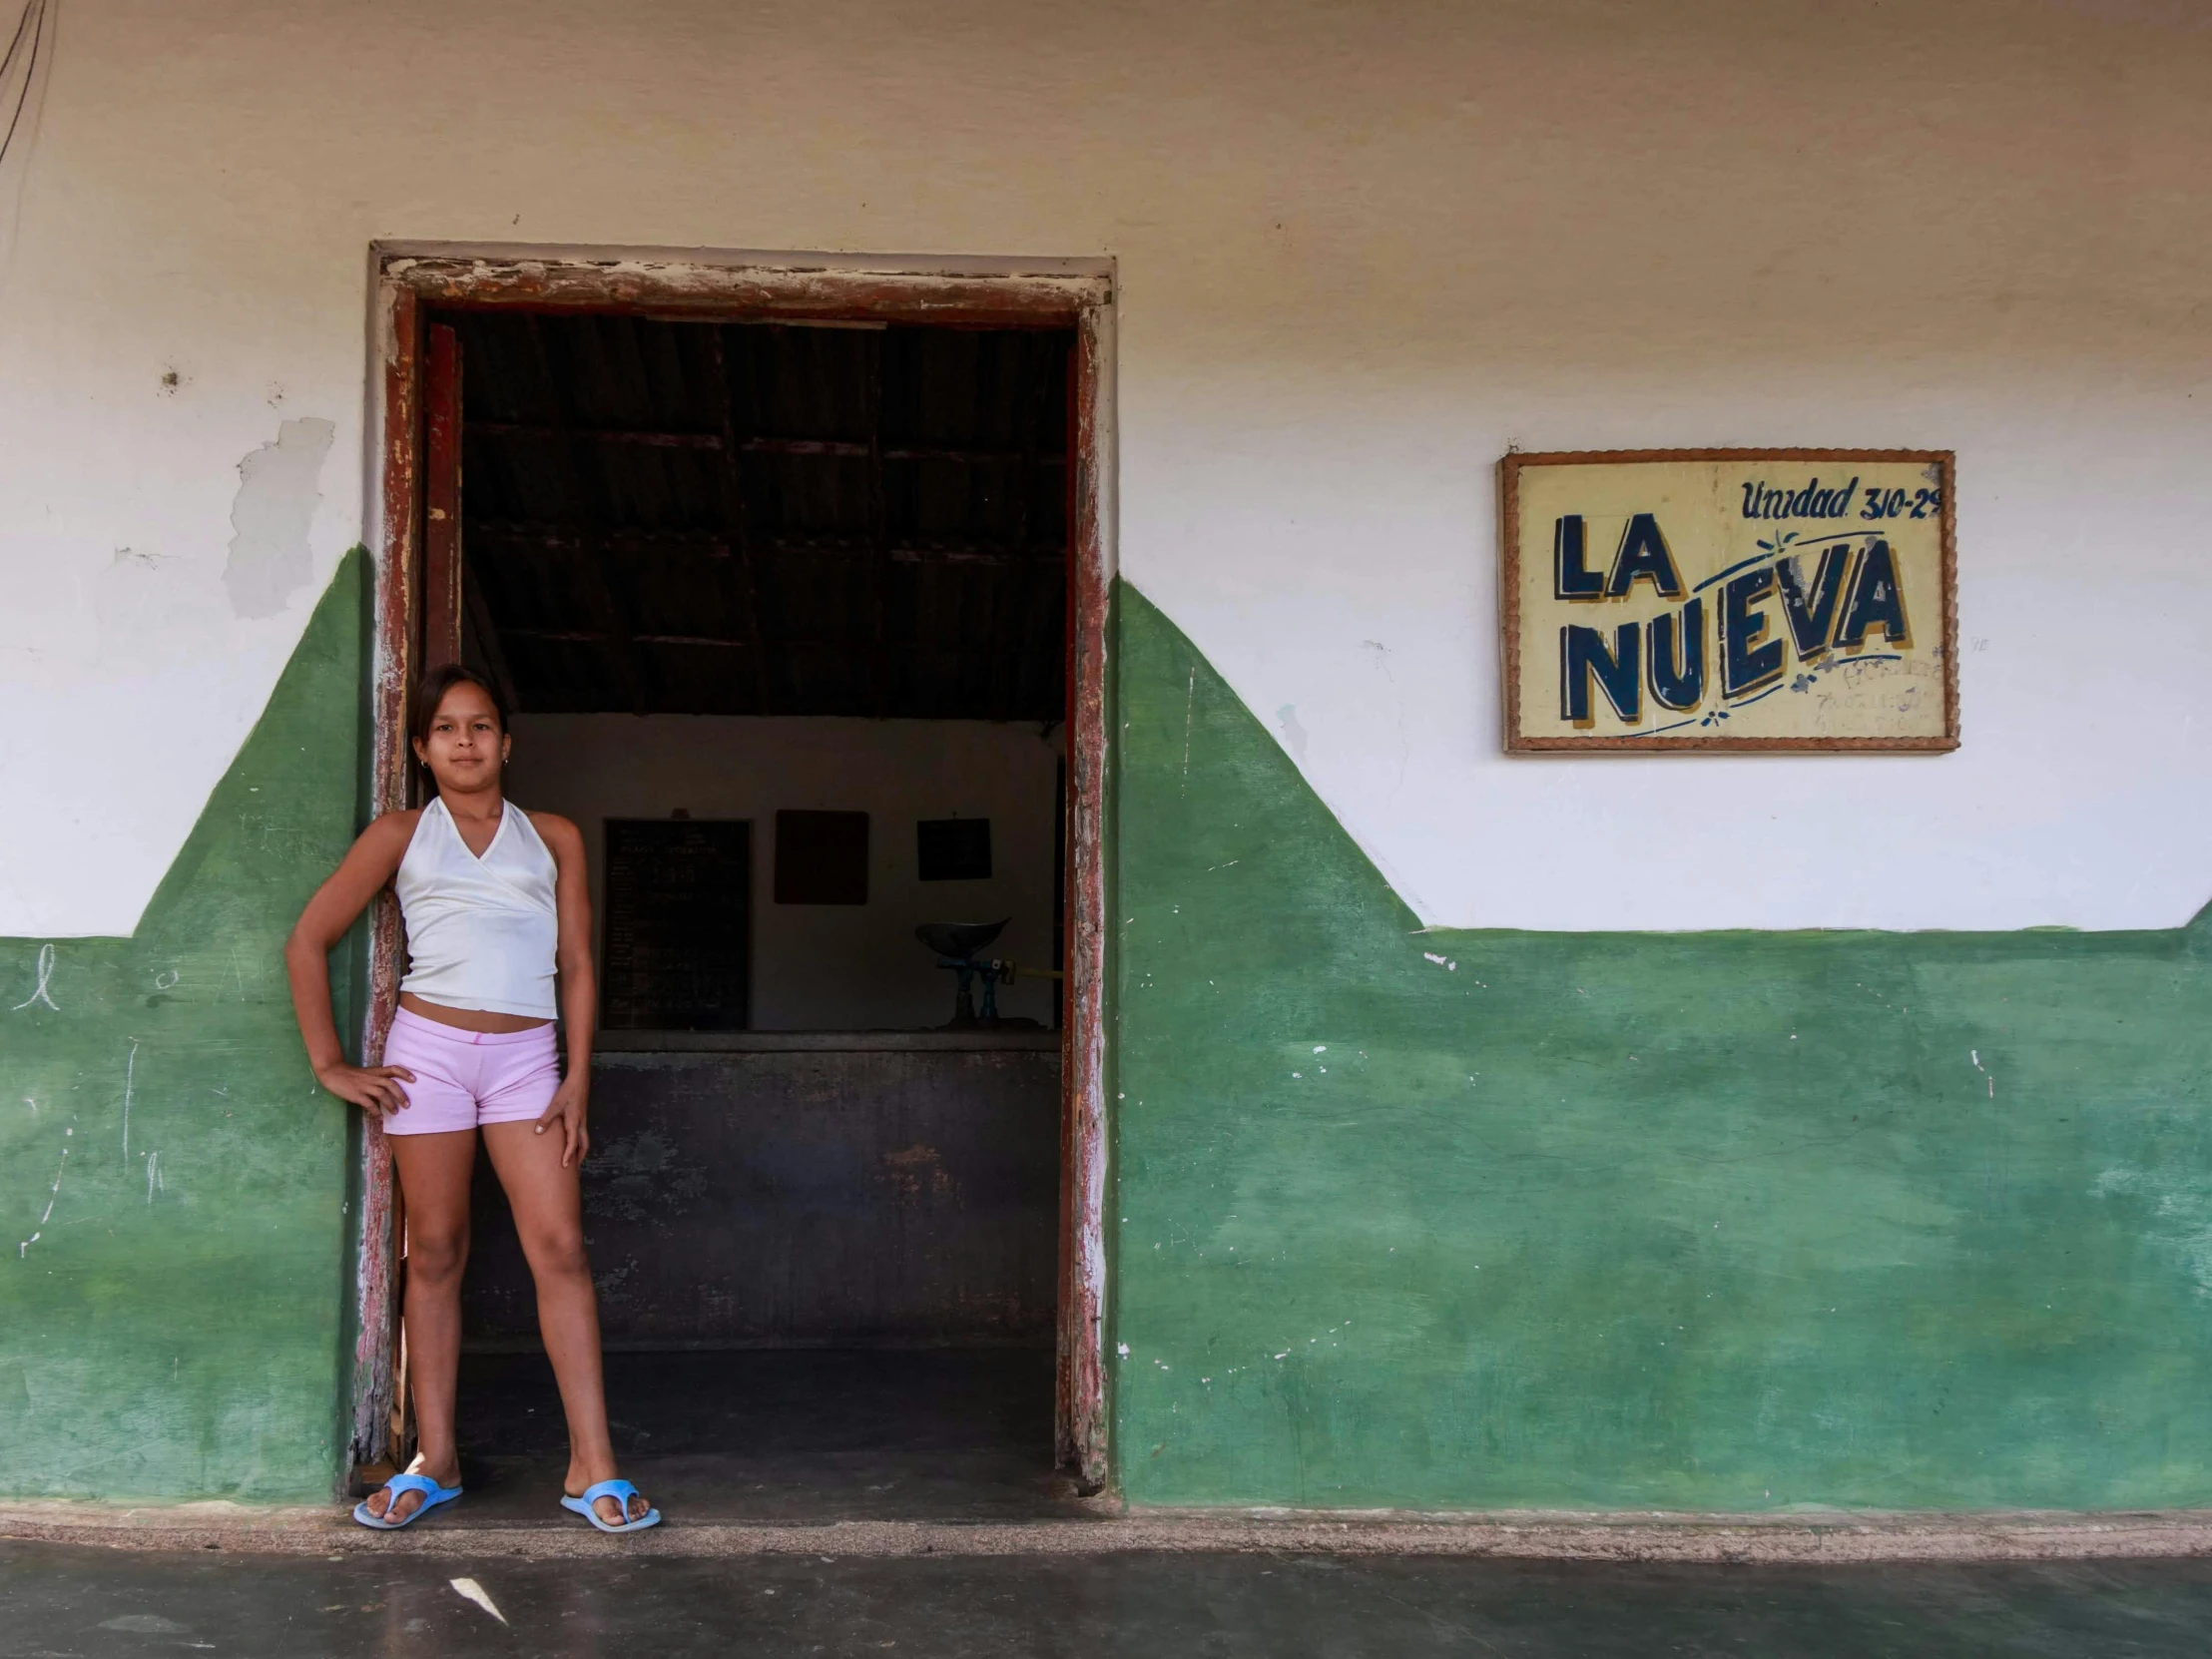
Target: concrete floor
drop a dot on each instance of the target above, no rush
(956, 1434)
(829, 1446)
(63, 1600)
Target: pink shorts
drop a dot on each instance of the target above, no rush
(466, 1078)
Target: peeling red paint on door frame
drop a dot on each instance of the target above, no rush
(375, 1430)
(441, 631)
(1081, 1387)
(973, 294)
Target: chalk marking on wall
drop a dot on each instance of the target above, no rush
(1189, 705)
(130, 1071)
(53, 1195)
(166, 981)
(41, 993)
(153, 1178)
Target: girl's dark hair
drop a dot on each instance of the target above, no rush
(431, 692)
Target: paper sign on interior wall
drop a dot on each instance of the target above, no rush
(1730, 599)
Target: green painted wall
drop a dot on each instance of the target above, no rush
(1712, 1221)
(1719, 1220)
(176, 1328)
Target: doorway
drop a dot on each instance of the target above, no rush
(795, 584)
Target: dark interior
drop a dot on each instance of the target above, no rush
(766, 519)
(827, 1261)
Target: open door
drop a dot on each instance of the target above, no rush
(383, 1433)
(432, 609)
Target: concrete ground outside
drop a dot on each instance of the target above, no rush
(62, 1601)
(903, 1504)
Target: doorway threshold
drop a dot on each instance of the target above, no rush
(806, 1437)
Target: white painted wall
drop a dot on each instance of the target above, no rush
(829, 968)
(1363, 249)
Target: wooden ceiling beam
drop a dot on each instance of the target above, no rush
(594, 434)
(659, 438)
(529, 536)
(497, 536)
(599, 636)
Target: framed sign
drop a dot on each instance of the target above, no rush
(1730, 599)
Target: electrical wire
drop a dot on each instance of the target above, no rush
(33, 20)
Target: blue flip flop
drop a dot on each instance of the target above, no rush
(622, 1492)
(434, 1495)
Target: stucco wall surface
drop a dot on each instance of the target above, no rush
(1454, 1219)
(1361, 249)
(1580, 1216)
(174, 1206)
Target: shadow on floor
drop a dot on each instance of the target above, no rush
(780, 1435)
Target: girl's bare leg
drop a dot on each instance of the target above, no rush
(548, 1210)
(434, 1173)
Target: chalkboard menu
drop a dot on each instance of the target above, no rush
(679, 923)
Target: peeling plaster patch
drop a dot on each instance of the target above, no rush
(279, 489)
(1294, 735)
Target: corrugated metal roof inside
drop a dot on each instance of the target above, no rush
(681, 518)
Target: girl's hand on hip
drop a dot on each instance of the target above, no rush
(566, 1114)
(373, 1088)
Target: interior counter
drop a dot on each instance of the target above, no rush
(770, 1189)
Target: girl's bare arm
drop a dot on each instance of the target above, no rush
(572, 956)
(368, 866)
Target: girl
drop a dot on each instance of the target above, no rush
(496, 906)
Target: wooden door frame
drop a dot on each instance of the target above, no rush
(408, 280)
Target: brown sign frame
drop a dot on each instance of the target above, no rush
(1511, 468)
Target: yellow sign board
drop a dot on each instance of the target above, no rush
(1730, 599)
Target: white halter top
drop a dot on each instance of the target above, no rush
(480, 931)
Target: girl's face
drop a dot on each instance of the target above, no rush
(465, 749)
